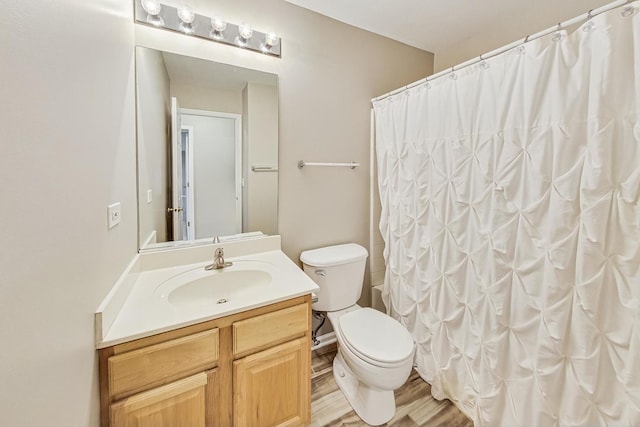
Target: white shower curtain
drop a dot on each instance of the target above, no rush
(510, 198)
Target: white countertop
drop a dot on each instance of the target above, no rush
(146, 310)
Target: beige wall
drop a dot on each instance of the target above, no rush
(67, 117)
(328, 73)
(209, 99)
(507, 29)
(261, 149)
(154, 117)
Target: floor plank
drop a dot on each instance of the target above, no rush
(415, 407)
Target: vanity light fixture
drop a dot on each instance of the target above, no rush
(184, 20)
(187, 16)
(153, 9)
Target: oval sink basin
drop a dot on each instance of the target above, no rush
(199, 287)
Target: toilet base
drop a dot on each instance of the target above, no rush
(374, 406)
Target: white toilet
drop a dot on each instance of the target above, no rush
(375, 352)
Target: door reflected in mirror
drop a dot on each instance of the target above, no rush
(207, 138)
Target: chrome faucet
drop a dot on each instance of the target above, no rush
(218, 261)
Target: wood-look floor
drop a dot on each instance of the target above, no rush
(414, 404)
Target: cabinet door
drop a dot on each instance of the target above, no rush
(181, 403)
(273, 387)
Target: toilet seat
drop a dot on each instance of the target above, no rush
(375, 337)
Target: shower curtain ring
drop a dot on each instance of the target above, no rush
(589, 15)
(526, 39)
(452, 74)
(483, 62)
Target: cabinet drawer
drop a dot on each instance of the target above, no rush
(271, 328)
(160, 363)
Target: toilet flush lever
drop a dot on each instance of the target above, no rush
(321, 272)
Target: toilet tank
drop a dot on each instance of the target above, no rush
(339, 273)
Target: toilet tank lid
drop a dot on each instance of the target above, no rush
(334, 255)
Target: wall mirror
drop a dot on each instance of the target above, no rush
(207, 140)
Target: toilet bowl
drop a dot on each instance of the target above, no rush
(375, 352)
(375, 357)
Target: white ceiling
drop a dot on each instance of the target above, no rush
(431, 25)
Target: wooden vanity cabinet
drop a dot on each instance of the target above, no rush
(248, 369)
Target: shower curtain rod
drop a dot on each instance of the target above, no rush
(585, 16)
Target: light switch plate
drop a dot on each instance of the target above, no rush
(149, 195)
(113, 214)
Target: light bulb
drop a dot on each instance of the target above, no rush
(245, 31)
(153, 8)
(186, 14)
(271, 39)
(218, 24)
(244, 34)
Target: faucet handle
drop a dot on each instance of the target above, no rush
(219, 252)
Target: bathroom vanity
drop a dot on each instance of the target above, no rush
(248, 369)
(190, 362)
(179, 345)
